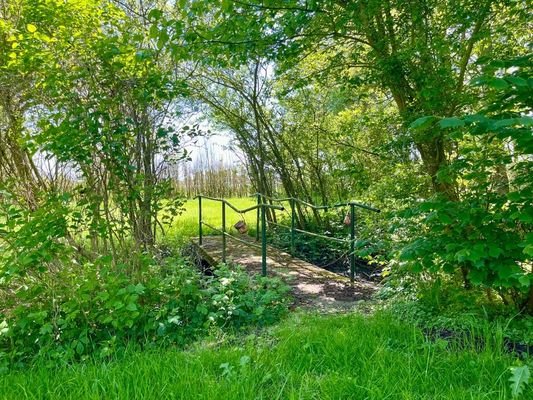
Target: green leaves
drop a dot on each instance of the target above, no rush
(486, 232)
(519, 379)
(155, 14)
(423, 122)
(497, 83)
(92, 85)
(95, 309)
(428, 121)
(525, 121)
(452, 122)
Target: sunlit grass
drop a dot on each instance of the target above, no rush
(186, 224)
(306, 357)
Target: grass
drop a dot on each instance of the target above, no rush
(186, 224)
(306, 357)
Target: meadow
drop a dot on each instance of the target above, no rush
(185, 224)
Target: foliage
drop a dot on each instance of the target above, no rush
(98, 309)
(486, 234)
(439, 305)
(519, 379)
(306, 356)
(33, 241)
(309, 142)
(419, 55)
(239, 300)
(88, 118)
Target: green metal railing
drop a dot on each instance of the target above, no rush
(261, 225)
(261, 213)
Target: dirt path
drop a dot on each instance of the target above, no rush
(312, 287)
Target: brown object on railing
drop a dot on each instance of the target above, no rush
(241, 227)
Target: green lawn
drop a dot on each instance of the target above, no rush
(306, 357)
(186, 224)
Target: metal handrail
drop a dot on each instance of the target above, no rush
(360, 205)
(289, 199)
(261, 208)
(233, 237)
(243, 211)
(261, 211)
(314, 206)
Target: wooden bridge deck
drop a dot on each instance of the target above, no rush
(312, 286)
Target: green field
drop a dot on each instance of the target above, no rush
(186, 224)
(305, 357)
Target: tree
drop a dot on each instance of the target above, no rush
(487, 234)
(95, 94)
(421, 53)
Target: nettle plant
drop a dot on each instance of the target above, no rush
(485, 235)
(33, 241)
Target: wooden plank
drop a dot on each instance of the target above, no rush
(311, 285)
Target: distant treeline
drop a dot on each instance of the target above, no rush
(218, 182)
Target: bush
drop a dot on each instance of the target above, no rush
(238, 299)
(484, 233)
(97, 309)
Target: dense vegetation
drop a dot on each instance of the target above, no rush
(307, 357)
(421, 108)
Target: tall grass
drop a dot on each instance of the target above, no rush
(306, 357)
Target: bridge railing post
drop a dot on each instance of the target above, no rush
(293, 221)
(352, 242)
(223, 232)
(258, 218)
(200, 222)
(263, 241)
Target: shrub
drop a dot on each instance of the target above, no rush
(97, 309)
(238, 299)
(440, 305)
(485, 234)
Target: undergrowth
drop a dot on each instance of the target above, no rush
(306, 357)
(438, 305)
(99, 310)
